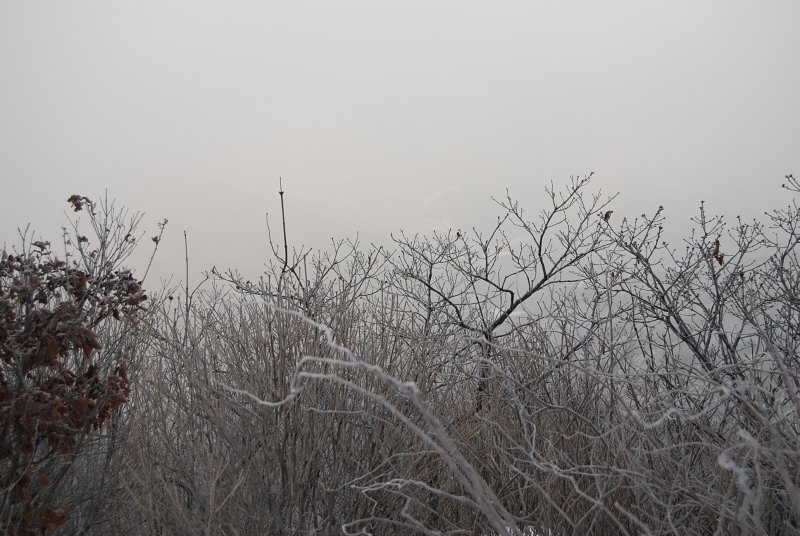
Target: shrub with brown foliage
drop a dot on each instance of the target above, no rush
(54, 391)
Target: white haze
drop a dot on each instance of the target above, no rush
(381, 116)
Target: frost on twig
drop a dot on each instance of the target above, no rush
(430, 430)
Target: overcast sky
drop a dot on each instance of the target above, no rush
(383, 115)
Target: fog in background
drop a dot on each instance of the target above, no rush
(383, 116)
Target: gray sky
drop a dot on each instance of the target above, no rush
(388, 115)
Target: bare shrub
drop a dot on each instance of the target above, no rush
(569, 373)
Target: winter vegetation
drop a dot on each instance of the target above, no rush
(564, 372)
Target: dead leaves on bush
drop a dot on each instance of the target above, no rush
(51, 390)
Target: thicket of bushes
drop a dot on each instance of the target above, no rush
(566, 372)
